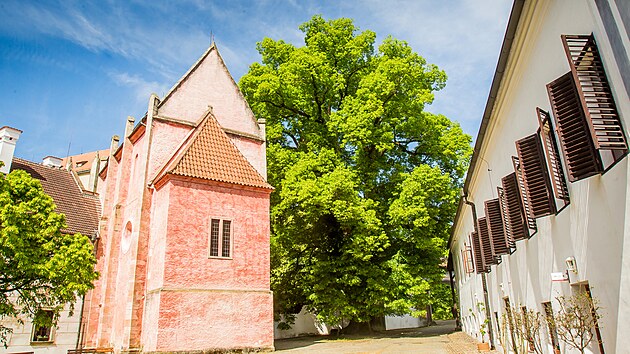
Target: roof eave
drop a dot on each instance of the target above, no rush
(506, 48)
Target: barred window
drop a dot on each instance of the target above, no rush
(220, 238)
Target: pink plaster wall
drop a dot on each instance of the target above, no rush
(211, 85)
(187, 263)
(203, 320)
(167, 137)
(254, 152)
(158, 289)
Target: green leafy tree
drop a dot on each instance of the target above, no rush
(40, 267)
(366, 179)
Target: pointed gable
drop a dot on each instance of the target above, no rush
(209, 154)
(208, 83)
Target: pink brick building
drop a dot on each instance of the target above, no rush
(184, 235)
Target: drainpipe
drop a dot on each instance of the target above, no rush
(484, 283)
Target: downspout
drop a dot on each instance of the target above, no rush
(484, 283)
(80, 334)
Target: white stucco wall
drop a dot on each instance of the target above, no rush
(64, 335)
(593, 228)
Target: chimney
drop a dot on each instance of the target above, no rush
(52, 161)
(8, 137)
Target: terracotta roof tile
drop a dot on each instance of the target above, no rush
(212, 155)
(81, 210)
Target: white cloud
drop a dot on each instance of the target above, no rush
(142, 88)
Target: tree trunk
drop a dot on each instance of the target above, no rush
(375, 324)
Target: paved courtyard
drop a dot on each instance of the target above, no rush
(435, 339)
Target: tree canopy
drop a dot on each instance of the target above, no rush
(40, 267)
(366, 178)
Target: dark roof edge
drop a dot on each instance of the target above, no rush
(506, 48)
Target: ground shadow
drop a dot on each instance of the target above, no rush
(442, 327)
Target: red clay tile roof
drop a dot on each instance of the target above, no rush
(83, 162)
(210, 154)
(81, 210)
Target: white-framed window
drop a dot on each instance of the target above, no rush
(220, 238)
(43, 333)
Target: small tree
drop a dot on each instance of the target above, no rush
(528, 325)
(576, 319)
(483, 321)
(41, 268)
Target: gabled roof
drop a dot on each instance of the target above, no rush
(208, 153)
(208, 83)
(83, 162)
(81, 210)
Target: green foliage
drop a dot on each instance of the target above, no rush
(366, 179)
(441, 301)
(40, 267)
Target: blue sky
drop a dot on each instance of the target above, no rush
(72, 71)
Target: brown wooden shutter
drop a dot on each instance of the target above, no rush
(535, 177)
(548, 136)
(530, 221)
(486, 244)
(496, 227)
(513, 211)
(479, 268)
(592, 85)
(580, 156)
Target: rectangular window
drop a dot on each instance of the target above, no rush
(467, 259)
(225, 245)
(533, 170)
(587, 121)
(220, 238)
(486, 245)
(43, 333)
(551, 325)
(514, 212)
(531, 222)
(511, 325)
(479, 267)
(501, 242)
(552, 152)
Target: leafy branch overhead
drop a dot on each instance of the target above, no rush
(40, 267)
(366, 178)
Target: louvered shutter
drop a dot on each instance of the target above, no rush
(558, 180)
(486, 245)
(592, 85)
(535, 177)
(580, 156)
(479, 268)
(530, 221)
(496, 228)
(513, 212)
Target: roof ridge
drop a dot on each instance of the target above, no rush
(188, 73)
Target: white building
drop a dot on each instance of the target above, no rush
(558, 107)
(82, 213)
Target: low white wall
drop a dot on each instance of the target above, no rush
(405, 321)
(305, 324)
